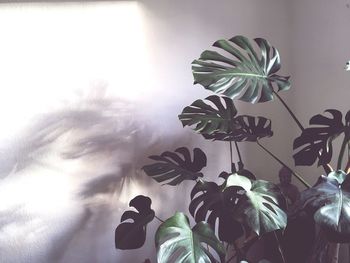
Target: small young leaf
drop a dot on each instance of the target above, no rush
(132, 235)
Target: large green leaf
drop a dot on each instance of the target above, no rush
(245, 73)
(246, 128)
(329, 202)
(131, 235)
(177, 242)
(316, 142)
(260, 204)
(215, 118)
(210, 115)
(217, 201)
(175, 167)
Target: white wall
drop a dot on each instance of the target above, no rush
(319, 43)
(319, 39)
(178, 31)
(145, 60)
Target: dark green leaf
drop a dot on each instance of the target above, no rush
(244, 73)
(316, 142)
(131, 235)
(177, 242)
(260, 205)
(210, 115)
(246, 128)
(242, 171)
(208, 198)
(175, 167)
(329, 202)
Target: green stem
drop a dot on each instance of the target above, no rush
(282, 163)
(159, 219)
(290, 111)
(231, 258)
(238, 253)
(347, 168)
(326, 167)
(342, 150)
(279, 247)
(231, 157)
(238, 152)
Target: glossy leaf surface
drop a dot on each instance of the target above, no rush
(132, 235)
(215, 203)
(241, 70)
(214, 114)
(319, 138)
(329, 202)
(247, 128)
(174, 167)
(177, 242)
(260, 205)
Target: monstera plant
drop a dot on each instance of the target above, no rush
(238, 209)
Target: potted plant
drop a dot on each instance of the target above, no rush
(235, 211)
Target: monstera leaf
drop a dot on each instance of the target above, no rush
(175, 167)
(218, 201)
(131, 235)
(207, 118)
(246, 73)
(247, 128)
(176, 241)
(316, 142)
(260, 205)
(329, 201)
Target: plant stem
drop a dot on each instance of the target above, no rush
(347, 167)
(238, 253)
(279, 247)
(342, 150)
(231, 158)
(282, 163)
(239, 153)
(231, 258)
(327, 167)
(159, 219)
(333, 252)
(290, 111)
(241, 252)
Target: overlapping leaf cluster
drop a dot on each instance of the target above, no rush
(240, 204)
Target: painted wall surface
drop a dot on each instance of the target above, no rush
(319, 47)
(319, 44)
(89, 90)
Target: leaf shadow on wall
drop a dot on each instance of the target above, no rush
(96, 146)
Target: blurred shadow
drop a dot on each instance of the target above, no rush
(111, 141)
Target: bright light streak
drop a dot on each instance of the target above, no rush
(51, 55)
(50, 51)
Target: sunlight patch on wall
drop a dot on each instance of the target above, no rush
(51, 51)
(53, 56)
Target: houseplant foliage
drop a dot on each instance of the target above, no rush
(230, 214)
